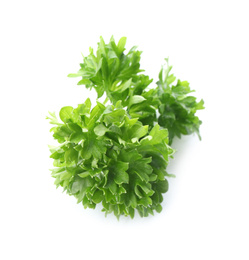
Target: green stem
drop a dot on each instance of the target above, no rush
(106, 100)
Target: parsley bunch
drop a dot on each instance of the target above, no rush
(117, 154)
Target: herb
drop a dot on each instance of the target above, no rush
(177, 109)
(117, 154)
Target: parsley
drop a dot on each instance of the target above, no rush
(117, 154)
(177, 109)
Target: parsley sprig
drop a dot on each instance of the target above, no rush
(117, 154)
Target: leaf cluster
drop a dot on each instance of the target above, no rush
(177, 109)
(117, 154)
(105, 156)
(118, 75)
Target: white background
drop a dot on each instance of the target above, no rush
(206, 210)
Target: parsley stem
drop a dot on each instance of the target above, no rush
(106, 100)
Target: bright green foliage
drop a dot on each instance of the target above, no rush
(177, 109)
(118, 75)
(106, 157)
(116, 155)
(110, 70)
